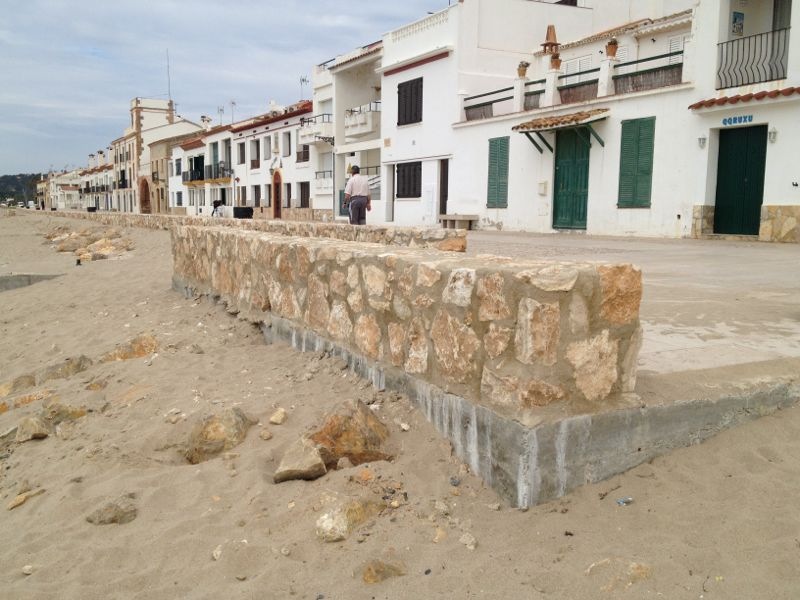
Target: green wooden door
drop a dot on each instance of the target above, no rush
(740, 180)
(571, 188)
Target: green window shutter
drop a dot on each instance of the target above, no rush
(497, 187)
(636, 163)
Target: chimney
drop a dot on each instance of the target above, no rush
(551, 44)
(206, 121)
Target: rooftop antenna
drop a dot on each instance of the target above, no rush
(303, 81)
(169, 83)
(220, 112)
(233, 106)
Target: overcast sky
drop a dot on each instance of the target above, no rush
(69, 68)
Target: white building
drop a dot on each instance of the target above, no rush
(257, 163)
(581, 139)
(63, 190)
(97, 183)
(151, 120)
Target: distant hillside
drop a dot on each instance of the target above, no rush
(19, 187)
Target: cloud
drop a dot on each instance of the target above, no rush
(70, 69)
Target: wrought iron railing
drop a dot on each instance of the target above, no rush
(753, 59)
(217, 171)
(193, 175)
(323, 175)
(321, 118)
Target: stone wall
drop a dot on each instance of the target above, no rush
(423, 237)
(780, 224)
(523, 338)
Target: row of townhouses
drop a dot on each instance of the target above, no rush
(669, 118)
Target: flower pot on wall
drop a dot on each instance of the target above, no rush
(611, 48)
(522, 68)
(555, 62)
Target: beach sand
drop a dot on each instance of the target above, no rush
(717, 520)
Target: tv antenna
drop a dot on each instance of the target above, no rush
(169, 83)
(303, 81)
(233, 107)
(220, 112)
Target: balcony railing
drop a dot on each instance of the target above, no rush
(193, 175)
(303, 155)
(753, 59)
(217, 171)
(122, 184)
(316, 129)
(362, 120)
(659, 71)
(577, 88)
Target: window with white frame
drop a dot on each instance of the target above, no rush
(575, 66)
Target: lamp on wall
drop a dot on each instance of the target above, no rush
(701, 141)
(773, 134)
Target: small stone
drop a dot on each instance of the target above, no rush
(20, 499)
(265, 434)
(493, 506)
(440, 506)
(285, 551)
(455, 481)
(120, 511)
(405, 427)
(336, 524)
(32, 428)
(217, 553)
(172, 419)
(301, 461)
(241, 577)
(395, 504)
(278, 417)
(27, 570)
(196, 349)
(440, 535)
(376, 571)
(469, 541)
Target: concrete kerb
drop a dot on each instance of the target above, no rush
(530, 465)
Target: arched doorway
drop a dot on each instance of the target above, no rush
(277, 201)
(144, 196)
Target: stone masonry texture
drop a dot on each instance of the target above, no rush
(514, 336)
(453, 240)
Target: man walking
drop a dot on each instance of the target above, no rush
(356, 196)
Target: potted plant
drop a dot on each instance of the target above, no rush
(555, 61)
(611, 48)
(522, 68)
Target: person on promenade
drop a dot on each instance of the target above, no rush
(356, 196)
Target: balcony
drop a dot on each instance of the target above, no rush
(255, 163)
(316, 130)
(195, 175)
(577, 88)
(363, 120)
(659, 71)
(323, 182)
(217, 171)
(753, 59)
(122, 184)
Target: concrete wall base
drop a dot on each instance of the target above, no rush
(528, 465)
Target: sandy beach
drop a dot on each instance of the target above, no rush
(713, 521)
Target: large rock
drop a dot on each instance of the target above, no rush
(493, 305)
(139, 347)
(336, 524)
(119, 511)
(301, 461)
(459, 287)
(65, 369)
(32, 428)
(55, 413)
(368, 335)
(217, 433)
(351, 431)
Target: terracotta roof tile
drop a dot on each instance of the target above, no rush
(578, 118)
(708, 103)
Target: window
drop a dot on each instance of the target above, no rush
(305, 194)
(636, 163)
(287, 143)
(409, 102)
(171, 170)
(178, 170)
(497, 187)
(255, 154)
(676, 44)
(302, 153)
(267, 147)
(242, 195)
(578, 65)
(409, 180)
(288, 199)
(179, 198)
(256, 195)
(268, 195)
(240, 151)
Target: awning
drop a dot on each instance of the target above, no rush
(578, 120)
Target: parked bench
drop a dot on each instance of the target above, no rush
(457, 221)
